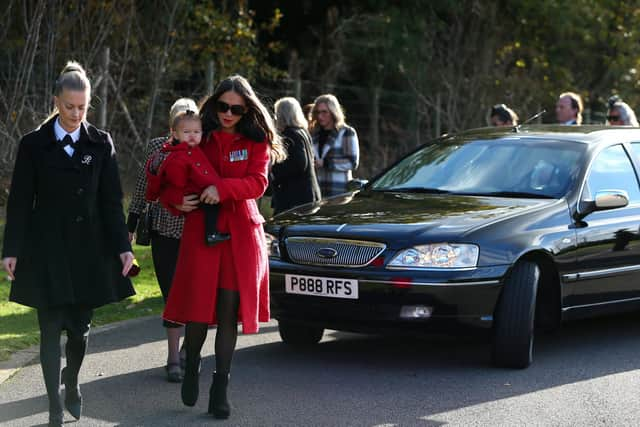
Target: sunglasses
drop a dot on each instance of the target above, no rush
(613, 118)
(236, 110)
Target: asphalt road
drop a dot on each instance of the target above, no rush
(585, 375)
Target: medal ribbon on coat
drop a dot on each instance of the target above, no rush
(238, 155)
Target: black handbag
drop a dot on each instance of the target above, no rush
(143, 230)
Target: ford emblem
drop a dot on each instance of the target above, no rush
(327, 253)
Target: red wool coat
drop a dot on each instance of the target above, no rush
(241, 165)
(185, 170)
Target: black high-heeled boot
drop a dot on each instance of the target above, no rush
(55, 420)
(50, 362)
(75, 349)
(218, 403)
(72, 395)
(190, 382)
(55, 403)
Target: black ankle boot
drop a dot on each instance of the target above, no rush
(56, 416)
(190, 382)
(72, 396)
(55, 420)
(218, 403)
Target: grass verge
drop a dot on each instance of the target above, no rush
(19, 324)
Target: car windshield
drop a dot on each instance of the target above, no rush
(506, 167)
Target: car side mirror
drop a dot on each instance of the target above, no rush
(356, 184)
(604, 200)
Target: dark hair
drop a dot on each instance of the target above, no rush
(504, 114)
(256, 124)
(612, 101)
(576, 104)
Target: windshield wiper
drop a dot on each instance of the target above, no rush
(414, 190)
(517, 194)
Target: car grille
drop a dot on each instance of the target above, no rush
(334, 252)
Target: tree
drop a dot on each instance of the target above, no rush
(159, 51)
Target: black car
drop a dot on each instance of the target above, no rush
(510, 231)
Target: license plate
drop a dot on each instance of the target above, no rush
(321, 286)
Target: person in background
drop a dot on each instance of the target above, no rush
(293, 181)
(307, 111)
(228, 282)
(335, 145)
(620, 114)
(569, 109)
(165, 240)
(501, 115)
(66, 248)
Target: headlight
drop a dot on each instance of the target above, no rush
(273, 249)
(438, 255)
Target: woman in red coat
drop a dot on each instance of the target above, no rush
(226, 283)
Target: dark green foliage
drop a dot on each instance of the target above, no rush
(405, 70)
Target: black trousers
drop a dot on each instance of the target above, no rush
(76, 320)
(164, 251)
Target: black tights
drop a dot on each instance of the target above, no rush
(226, 334)
(51, 323)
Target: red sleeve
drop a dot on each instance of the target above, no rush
(254, 183)
(154, 185)
(153, 189)
(170, 197)
(174, 171)
(172, 176)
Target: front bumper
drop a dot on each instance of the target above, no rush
(459, 299)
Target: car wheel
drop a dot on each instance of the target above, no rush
(296, 333)
(514, 317)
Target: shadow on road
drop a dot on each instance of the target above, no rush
(347, 379)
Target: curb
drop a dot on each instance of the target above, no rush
(21, 358)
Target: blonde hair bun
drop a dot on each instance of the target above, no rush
(73, 66)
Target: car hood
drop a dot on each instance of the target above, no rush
(405, 216)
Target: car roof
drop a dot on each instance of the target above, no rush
(588, 134)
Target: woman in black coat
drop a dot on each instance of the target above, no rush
(66, 246)
(293, 182)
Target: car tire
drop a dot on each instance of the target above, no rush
(514, 317)
(299, 334)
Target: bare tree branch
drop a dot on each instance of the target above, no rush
(17, 98)
(160, 68)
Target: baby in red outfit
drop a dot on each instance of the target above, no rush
(186, 170)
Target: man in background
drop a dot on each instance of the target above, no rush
(569, 109)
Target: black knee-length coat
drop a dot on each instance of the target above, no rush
(65, 222)
(294, 182)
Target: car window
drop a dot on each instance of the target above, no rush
(612, 169)
(544, 168)
(635, 147)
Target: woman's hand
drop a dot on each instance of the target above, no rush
(318, 162)
(127, 262)
(9, 264)
(210, 195)
(130, 237)
(189, 203)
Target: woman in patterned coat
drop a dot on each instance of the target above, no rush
(166, 230)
